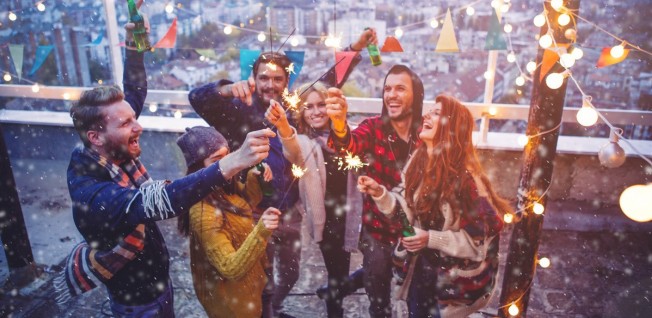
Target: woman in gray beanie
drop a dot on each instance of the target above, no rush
(227, 252)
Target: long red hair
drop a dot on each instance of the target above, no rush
(439, 177)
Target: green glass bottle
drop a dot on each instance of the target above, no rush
(374, 54)
(407, 228)
(139, 32)
(265, 186)
(400, 256)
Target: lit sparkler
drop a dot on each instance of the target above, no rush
(297, 171)
(291, 99)
(290, 69)
(350, 162)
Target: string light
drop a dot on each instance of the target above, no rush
(493, 111)
(169, 8)
(617, 51)
(153, 107)
(470, 11)
(488, 75)
(511, 57)
(545, 41)
(228, 29)
(7, 77)
(539, 20)
(538, 208)
(531, 66)
(612, 155)
(508, 28)
(398, 33)
(294, 41)
(513, 309)
(557, 4)
(505, 8)
(262, 37)
(566, 60)
(563, 19)
(522, 140)
(12, 16)
(508, 218)
(66, 96)
(633, 202)
(587, 116)
(577, 53)
(40, 6)
(434, 23)
(520, 80)
(544, 262)
(555, 80)
(178, 114)
(570, 34)
(35, 88)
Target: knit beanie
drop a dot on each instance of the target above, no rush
(198, 143)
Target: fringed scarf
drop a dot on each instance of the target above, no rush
(85, 267)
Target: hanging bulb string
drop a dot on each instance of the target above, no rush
(532, 202)
(544, 132)
(441, 15)
(638, 48)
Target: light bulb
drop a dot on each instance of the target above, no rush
(612, 155)
(178, 114)
(228, 29)
(153, 107)
(538, 208)
(544, 262)
(294, 41)
(513, 310)
(40, 6)
(511, 57)
(488, 75)
(66, 96)
(587, 116)
(566, 60)
(12, 16)
(563, 19)
(557, 4)
(470, 11)
(577, 53)
(531, 66)
(493, 111)
(169, 8)
(539, 20)
(35, 88)
(522, 140)
(504, 8)
(545, 41)
(554, 80)
(262, 37)
(202, 58)
(434, 23)
(570, 34)
(520, 80)
(634, 202)
(398, 33)
(508, 218)
(617, 51)
(508, 28)
(7, 77)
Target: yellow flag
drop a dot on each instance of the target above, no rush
(447, 42)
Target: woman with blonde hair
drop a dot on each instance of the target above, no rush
(456, 214)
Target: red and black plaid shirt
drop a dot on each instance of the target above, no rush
(379, 146)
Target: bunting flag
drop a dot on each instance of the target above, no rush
(16, 52)
(42, 53)
(95, 42)
(346, 57)
(550, 57)
(297, 63)
(495, 37)
(606, 59)
(247, 59)
(447, 42)
(391, 45)
(170, 38)
(209, 53)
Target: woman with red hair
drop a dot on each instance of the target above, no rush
(456, 214)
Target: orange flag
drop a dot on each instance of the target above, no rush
(170, 38)
(391, 45)
(550, 57)
(343, 60)
(606, 59)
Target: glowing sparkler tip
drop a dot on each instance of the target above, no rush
(350, 162)
(290, 69)
(291, 99)
(297, 171)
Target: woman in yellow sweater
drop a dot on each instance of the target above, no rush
(227, 252)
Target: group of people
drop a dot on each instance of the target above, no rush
(245, 240)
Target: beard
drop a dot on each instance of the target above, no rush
(276, 95)
(403, 115)
(120, 152)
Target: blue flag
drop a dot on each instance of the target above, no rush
(247, 59)
(42, 53)
(297, 63)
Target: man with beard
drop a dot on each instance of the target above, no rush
(385, 142)
(236, 108)
(116, 204)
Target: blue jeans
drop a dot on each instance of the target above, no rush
(377, 267)
(421, 300)
(162, 307)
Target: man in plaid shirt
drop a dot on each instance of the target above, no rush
(384, 142)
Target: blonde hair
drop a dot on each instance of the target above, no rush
(321, 89)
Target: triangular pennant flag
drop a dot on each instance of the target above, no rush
(391, 45)
(550, 57)
(42, 52)
(95, 42)
(495, 36)
(209, 53)
(297, 63)
(170, 37)
(16, 51)
(343, 60)
(247, 59)
(447, 42)
(606, 59)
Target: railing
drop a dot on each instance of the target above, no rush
(485, 112)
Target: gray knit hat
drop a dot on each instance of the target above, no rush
(197, 143)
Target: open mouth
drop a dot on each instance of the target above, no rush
(427, 125)
(133, 142)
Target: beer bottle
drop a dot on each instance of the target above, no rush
(401, 257)
(374, 54)
(139, 32)
(265, 186)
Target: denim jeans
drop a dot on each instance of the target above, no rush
(422, 300)
(377, 267)
(162, 307)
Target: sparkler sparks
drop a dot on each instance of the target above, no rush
(297, 171)
(291, 99)
(350, 162)
(290, 69)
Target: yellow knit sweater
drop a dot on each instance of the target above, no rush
(227, 258)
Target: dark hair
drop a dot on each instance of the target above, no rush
(87, 113)
(272, 57)
(417, 94)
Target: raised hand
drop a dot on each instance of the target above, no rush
(370, 186)
(367, 37)
(275, 114)
(242, 90)
(254, 149)
(268, 175)
(336, 108)
(270, 218)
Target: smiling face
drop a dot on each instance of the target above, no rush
(398, 96)
(119, 139)
(270, 82)
(431, 122)
(314, 111)
(216, 156)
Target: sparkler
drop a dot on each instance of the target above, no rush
(290, 69)
(350, 162)
(297, 171)
(291, 99)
